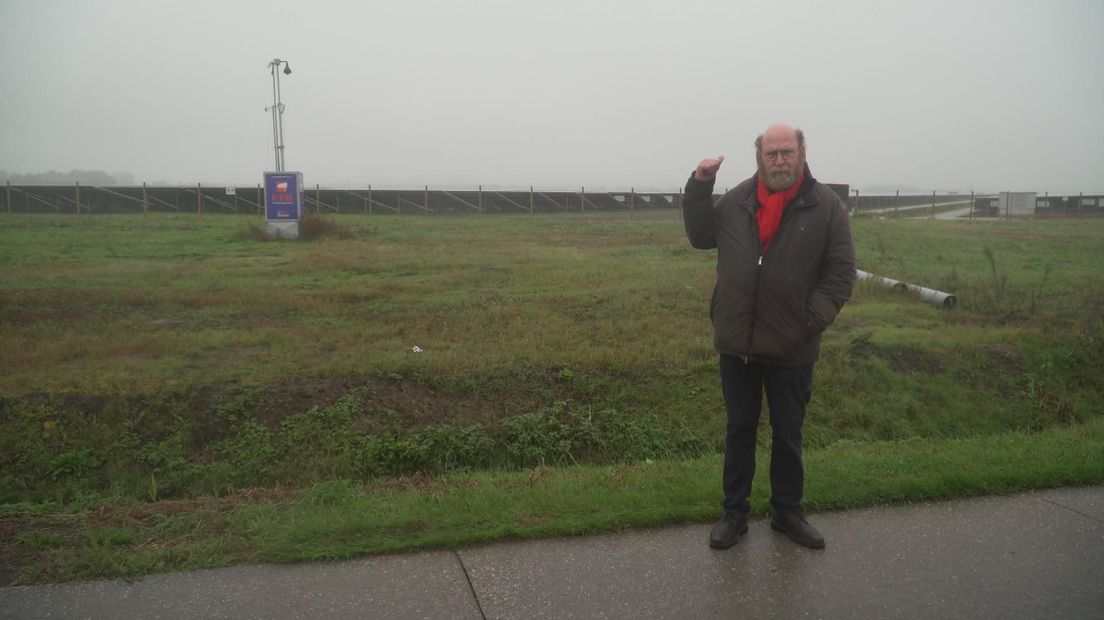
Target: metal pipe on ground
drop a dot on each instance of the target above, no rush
(929, 295)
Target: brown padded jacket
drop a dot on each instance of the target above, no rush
(773, 307)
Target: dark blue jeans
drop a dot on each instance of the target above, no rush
(788, 390)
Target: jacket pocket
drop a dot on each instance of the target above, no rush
(814, 324)
(814, 316)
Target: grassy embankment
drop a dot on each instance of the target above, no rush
(176, 394)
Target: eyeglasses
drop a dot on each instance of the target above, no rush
(787, 155)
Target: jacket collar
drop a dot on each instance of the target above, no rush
(805, 197)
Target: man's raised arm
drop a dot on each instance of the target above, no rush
(697, 204)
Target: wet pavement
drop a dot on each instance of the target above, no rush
(1033, 555)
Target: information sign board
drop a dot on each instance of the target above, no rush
(283, 196)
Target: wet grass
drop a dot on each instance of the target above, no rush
(179, 364)
(333, 519)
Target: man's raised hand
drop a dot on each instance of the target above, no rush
(707, 168)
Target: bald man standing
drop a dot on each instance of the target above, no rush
(785, 267)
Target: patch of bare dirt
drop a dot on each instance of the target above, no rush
(384, 404)
(903, 360)
(1004, 356)
(394, 404)
(403, 405)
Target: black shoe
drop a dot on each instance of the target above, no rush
(729, 531)
(793, 524)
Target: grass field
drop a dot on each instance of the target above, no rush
(175, 393)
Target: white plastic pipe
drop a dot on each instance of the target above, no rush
(930, 295)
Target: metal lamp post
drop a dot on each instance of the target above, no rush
(278, 111)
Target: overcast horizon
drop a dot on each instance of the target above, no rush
(921, 96)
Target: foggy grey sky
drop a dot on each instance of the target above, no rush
(934, 94)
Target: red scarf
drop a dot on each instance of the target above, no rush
(770, 209)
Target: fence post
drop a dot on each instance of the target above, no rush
(933, 205)
(78, 197)
(481, 199)
(369, 199)
(896, 204)
(260, 201)
(632, 201)
(530, 200)
(199, 199)
(317, 200)
(582, 199)
(145, 202)
(973, 205)
(1080, 198)
(8, 201)
(426, 199)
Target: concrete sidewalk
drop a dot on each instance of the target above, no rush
(1034, 555)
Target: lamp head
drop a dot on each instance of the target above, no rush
(287, 69)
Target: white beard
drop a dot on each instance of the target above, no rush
(779, 180)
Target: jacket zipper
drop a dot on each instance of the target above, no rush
(755, 298)
(754, 311)
(758, 275)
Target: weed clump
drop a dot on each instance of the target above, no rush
(314, 227)
(251, 232)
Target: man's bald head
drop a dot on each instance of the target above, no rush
(781, 130)
(780, 154)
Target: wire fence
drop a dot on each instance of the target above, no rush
(1003, 204)
(424, 201)
(80, 199)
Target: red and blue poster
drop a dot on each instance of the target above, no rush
(283, 196)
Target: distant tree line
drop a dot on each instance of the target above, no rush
(53, 177)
